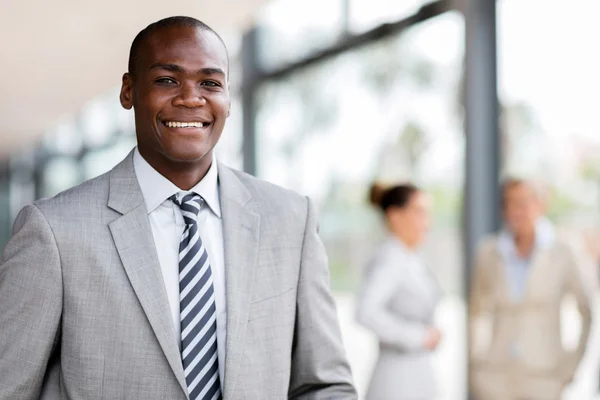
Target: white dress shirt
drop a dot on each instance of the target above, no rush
(167, 228)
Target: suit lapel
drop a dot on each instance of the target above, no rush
(241, 236)
(501, 274)
(133, 238)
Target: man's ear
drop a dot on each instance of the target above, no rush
(126, 95)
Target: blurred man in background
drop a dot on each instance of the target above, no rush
(521, 277)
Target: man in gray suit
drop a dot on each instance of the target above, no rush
(171, 276)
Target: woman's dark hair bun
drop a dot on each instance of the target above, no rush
(394, 196)
(376, 192)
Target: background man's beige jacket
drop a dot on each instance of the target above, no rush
(516, 346)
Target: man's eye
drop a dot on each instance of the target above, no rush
(166, 81)
(211, 84)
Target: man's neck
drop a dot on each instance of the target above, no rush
(184, 175)
(524, 243)
(186, 179)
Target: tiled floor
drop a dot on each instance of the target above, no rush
(361, 349)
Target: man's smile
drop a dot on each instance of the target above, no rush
(181, 124)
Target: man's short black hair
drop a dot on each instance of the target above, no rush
(179, 21)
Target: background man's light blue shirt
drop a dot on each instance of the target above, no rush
(517, 267)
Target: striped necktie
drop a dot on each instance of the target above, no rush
(197, 306)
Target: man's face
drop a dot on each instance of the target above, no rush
(522, 208)
(179, 94)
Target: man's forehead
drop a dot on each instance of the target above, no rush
(187, 43)
(521, 192)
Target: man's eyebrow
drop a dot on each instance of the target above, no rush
(212, 71)
(178, 68)
(168, 67)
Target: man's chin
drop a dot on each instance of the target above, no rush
(189, 155)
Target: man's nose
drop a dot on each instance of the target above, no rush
(190, 96)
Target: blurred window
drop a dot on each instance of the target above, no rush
(292, 29)
(60, 173)
(549, 86)
(389, 111)
(64, 138)
(99, 161)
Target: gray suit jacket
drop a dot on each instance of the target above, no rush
(84, 311)
(398, 303)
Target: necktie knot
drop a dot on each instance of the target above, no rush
(189, 205)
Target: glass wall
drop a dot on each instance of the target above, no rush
(292, 29)
(388, 112)
(549, 85)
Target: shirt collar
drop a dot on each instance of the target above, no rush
(156, 189)
(544, 237)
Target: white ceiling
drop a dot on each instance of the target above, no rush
(54, 56)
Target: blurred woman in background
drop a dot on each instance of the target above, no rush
(399, 298)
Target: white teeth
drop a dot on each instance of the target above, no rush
(172, 124)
